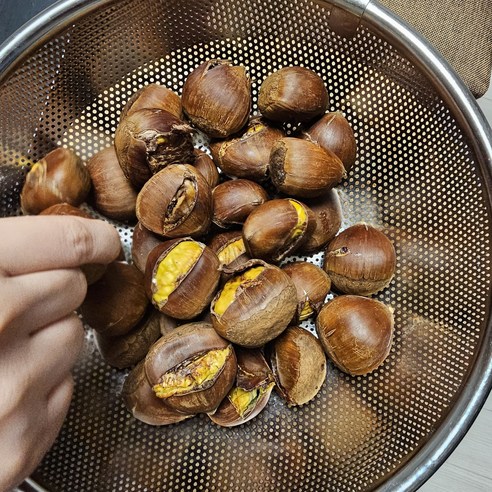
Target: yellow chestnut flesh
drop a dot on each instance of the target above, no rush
(192, 374)
(231, 289)
(173, 267)
(231, 251)
(243, 401)
(301, 219)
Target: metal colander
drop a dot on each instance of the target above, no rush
(422, 174)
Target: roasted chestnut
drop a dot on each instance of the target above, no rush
(205, 164)
(148, 140)
(277, 228)
(181, 277)
(328, 216)
(117, 301)
(230, 250)
(333, 132)
(192, 369)
(356, 332)
(303, 169)
(250, 393)
(112, 193)
(298, 364)
(153, 96)
(143, 242)
(60, 177)
(312, 286)
(176, 202)
(92, 271)
(129, 349)
(247, 155)
(233, 201)
(293, 94)
(360, 260)
(255, 305)
(12, 180)
(217, 98)
(142, 402)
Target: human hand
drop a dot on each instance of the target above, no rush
(40, 335)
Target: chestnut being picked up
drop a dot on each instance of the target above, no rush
(181, 277)
(192, 368)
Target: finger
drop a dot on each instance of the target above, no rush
(58, 403)
(36, 299)
(53, 351)
(34, 244)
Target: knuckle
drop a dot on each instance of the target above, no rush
(80, 241)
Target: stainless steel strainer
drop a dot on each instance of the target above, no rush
(423, 174)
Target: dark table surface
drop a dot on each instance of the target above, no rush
(15, 13)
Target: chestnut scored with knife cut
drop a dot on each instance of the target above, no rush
(192, 369)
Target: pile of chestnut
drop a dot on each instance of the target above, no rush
(207, 314)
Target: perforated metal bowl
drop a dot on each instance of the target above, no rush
(423, 174)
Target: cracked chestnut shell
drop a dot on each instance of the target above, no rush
(293, 94)
(217, 98)
(205, 164)
(60, 177)
(117, 301)
(303, 169)
(233, 201)
(92, 271)
(153, 96)
(176, 202)
(192, 369)
(327, 212)
(356, 333)
(312, 286)
(143, 242)
(360, 260)
(181, 277)
(251, 390)
(277, 228)
(148, 140)
(129, 349)
(255, 305)
(141, 401)
(230, 250)
(333, 132)
(299, 365)
(112, 193)
(247, 155)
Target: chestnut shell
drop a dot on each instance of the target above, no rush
(143, 242)
(183, 343)
(361, 260)
(205, 164)
(356, 333)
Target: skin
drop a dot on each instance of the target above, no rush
(40, 335)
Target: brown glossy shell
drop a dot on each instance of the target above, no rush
(327, 212)
(137, 146)
(143, 404)
(183, 343)
(261, 311)
(117, 301)
(217, 98)
(143, 242)
(205, 164)
(293, 94)
(299, 365)
(233, 201)
(356, 332)
(247, 155)
(112, 193)
(60, 177)
(195, 288)
(267, 232)
(361, 260)
(303, 169)
(154, 96)
(311, 282)
(157, 196)
(333, 132)
(129, 349)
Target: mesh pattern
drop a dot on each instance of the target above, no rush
(415, 177)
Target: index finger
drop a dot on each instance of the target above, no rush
(34, 244)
